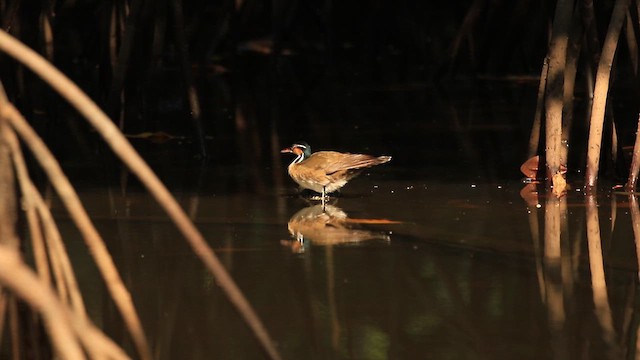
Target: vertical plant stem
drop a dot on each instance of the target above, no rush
(534, 138)
(635, 162)
(116, 95)
(9, 204)
(601, 90)
(555, 88)
(47, 35)
(591, 33)
(159, 31)
(632, 42)
(191, 92)
(465, 30)
(113, 36)
(571, 68)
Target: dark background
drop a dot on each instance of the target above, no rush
(437, 77)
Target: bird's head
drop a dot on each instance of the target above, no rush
(300, 148)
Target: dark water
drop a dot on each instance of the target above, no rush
(435, 255)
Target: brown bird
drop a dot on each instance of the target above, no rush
(327, 171)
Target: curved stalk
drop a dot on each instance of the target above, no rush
(601, 90)
(123, 149)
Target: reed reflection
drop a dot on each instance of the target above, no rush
(552, 269)
(328, 225)
(598, 283)
(635, 218)
(557, 262)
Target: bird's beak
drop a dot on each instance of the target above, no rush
(286, 150)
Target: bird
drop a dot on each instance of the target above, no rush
(327, 171)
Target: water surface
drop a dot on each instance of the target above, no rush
(438, 254)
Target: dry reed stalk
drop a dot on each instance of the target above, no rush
(123, 149)
(574, 46)
(79, 216)
(98, 345)
(191, 92)
(63, 273)
(116, 96)
(47, 34)
(61, 261)
(600, 93)
(67, 331)
(159, 32)
(35, 230)
(632, 41)
(591, 34)
(534, 138)
(94, 341)
(15, 275)
(635, 162)
(37, 242)
(465, 30)
(555, 93)
(113, 36)
(9, 203)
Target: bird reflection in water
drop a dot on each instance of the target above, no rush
(531, 170)
(327, 225)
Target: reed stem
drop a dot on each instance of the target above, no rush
(600, 93)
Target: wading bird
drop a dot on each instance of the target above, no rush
(327, 171)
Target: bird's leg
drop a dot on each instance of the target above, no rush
(323, 197)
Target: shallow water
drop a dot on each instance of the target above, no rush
(393, 269)
(439, 254)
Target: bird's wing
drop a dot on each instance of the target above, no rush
(332, 161)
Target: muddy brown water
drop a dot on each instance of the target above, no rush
(435, 255)
(394, 269)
